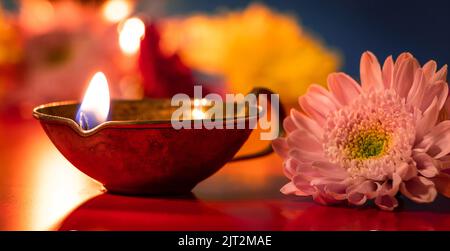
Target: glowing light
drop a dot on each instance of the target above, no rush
(95, 106)
(198, 114)
(58, 187)
(200, 102)
(130, 35)
(116, 10)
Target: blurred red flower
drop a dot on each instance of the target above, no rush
(162, 75)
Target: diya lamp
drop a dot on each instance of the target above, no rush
(131, 147)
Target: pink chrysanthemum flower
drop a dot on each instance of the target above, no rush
(361, 142)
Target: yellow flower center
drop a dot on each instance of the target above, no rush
(367, 144)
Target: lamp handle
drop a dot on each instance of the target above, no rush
(281, 115)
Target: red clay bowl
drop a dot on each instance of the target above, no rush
(138, 151)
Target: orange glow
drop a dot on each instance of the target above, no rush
(278, 53)
(200, 102)
(198, 114)
(116, 10)
(37, 16)
(11, 48)
(96, 100)
(50, 187)
(60, 188)
(130, 35)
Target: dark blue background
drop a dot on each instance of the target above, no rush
(353, 26)
(384, 27)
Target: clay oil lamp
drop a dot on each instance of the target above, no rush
(131, 147)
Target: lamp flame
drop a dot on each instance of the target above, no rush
(116, 10)
(130, 35)
(94, 109)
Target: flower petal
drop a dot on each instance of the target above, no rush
(437, 142)
(280, 147)
(426, 165)
(441, 75)
(437, 90)
(401, 58)
(429, 69)
(417, 91)
(388, 72)
(324, 199)
(370, 70)
(305, 156)
(306, 170)
(302, 121)
(386, 202)
(289, 188)
(318, 103)
(406, 171)
(303, 185)
(330, 170)
(442, 183)
(427, 121)
(288, 125)
(303, 140)
(404, 77)
(399, 62)
(336, 190)
(290, 167)
(390, 187)
(445, 112)
(357, 199)
(419, 189)
(343, 87)
(368, 187)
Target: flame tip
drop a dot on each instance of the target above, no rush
(95, 107)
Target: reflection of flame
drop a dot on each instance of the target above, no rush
(130, 35)
(45, 186)
(59, 187)
(116, 10)
(95, 106)
(197, 111)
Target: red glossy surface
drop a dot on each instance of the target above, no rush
(39, 189)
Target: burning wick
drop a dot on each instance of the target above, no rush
(94, 109)
(83, 121)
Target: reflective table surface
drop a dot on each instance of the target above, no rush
(40, 190)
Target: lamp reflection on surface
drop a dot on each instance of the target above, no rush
(46, 186)
(40, 190)
(59, 187)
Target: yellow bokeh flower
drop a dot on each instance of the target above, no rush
(10, 50)
(254, 47)
(10, 47)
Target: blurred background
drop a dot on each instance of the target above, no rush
(50, 49)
